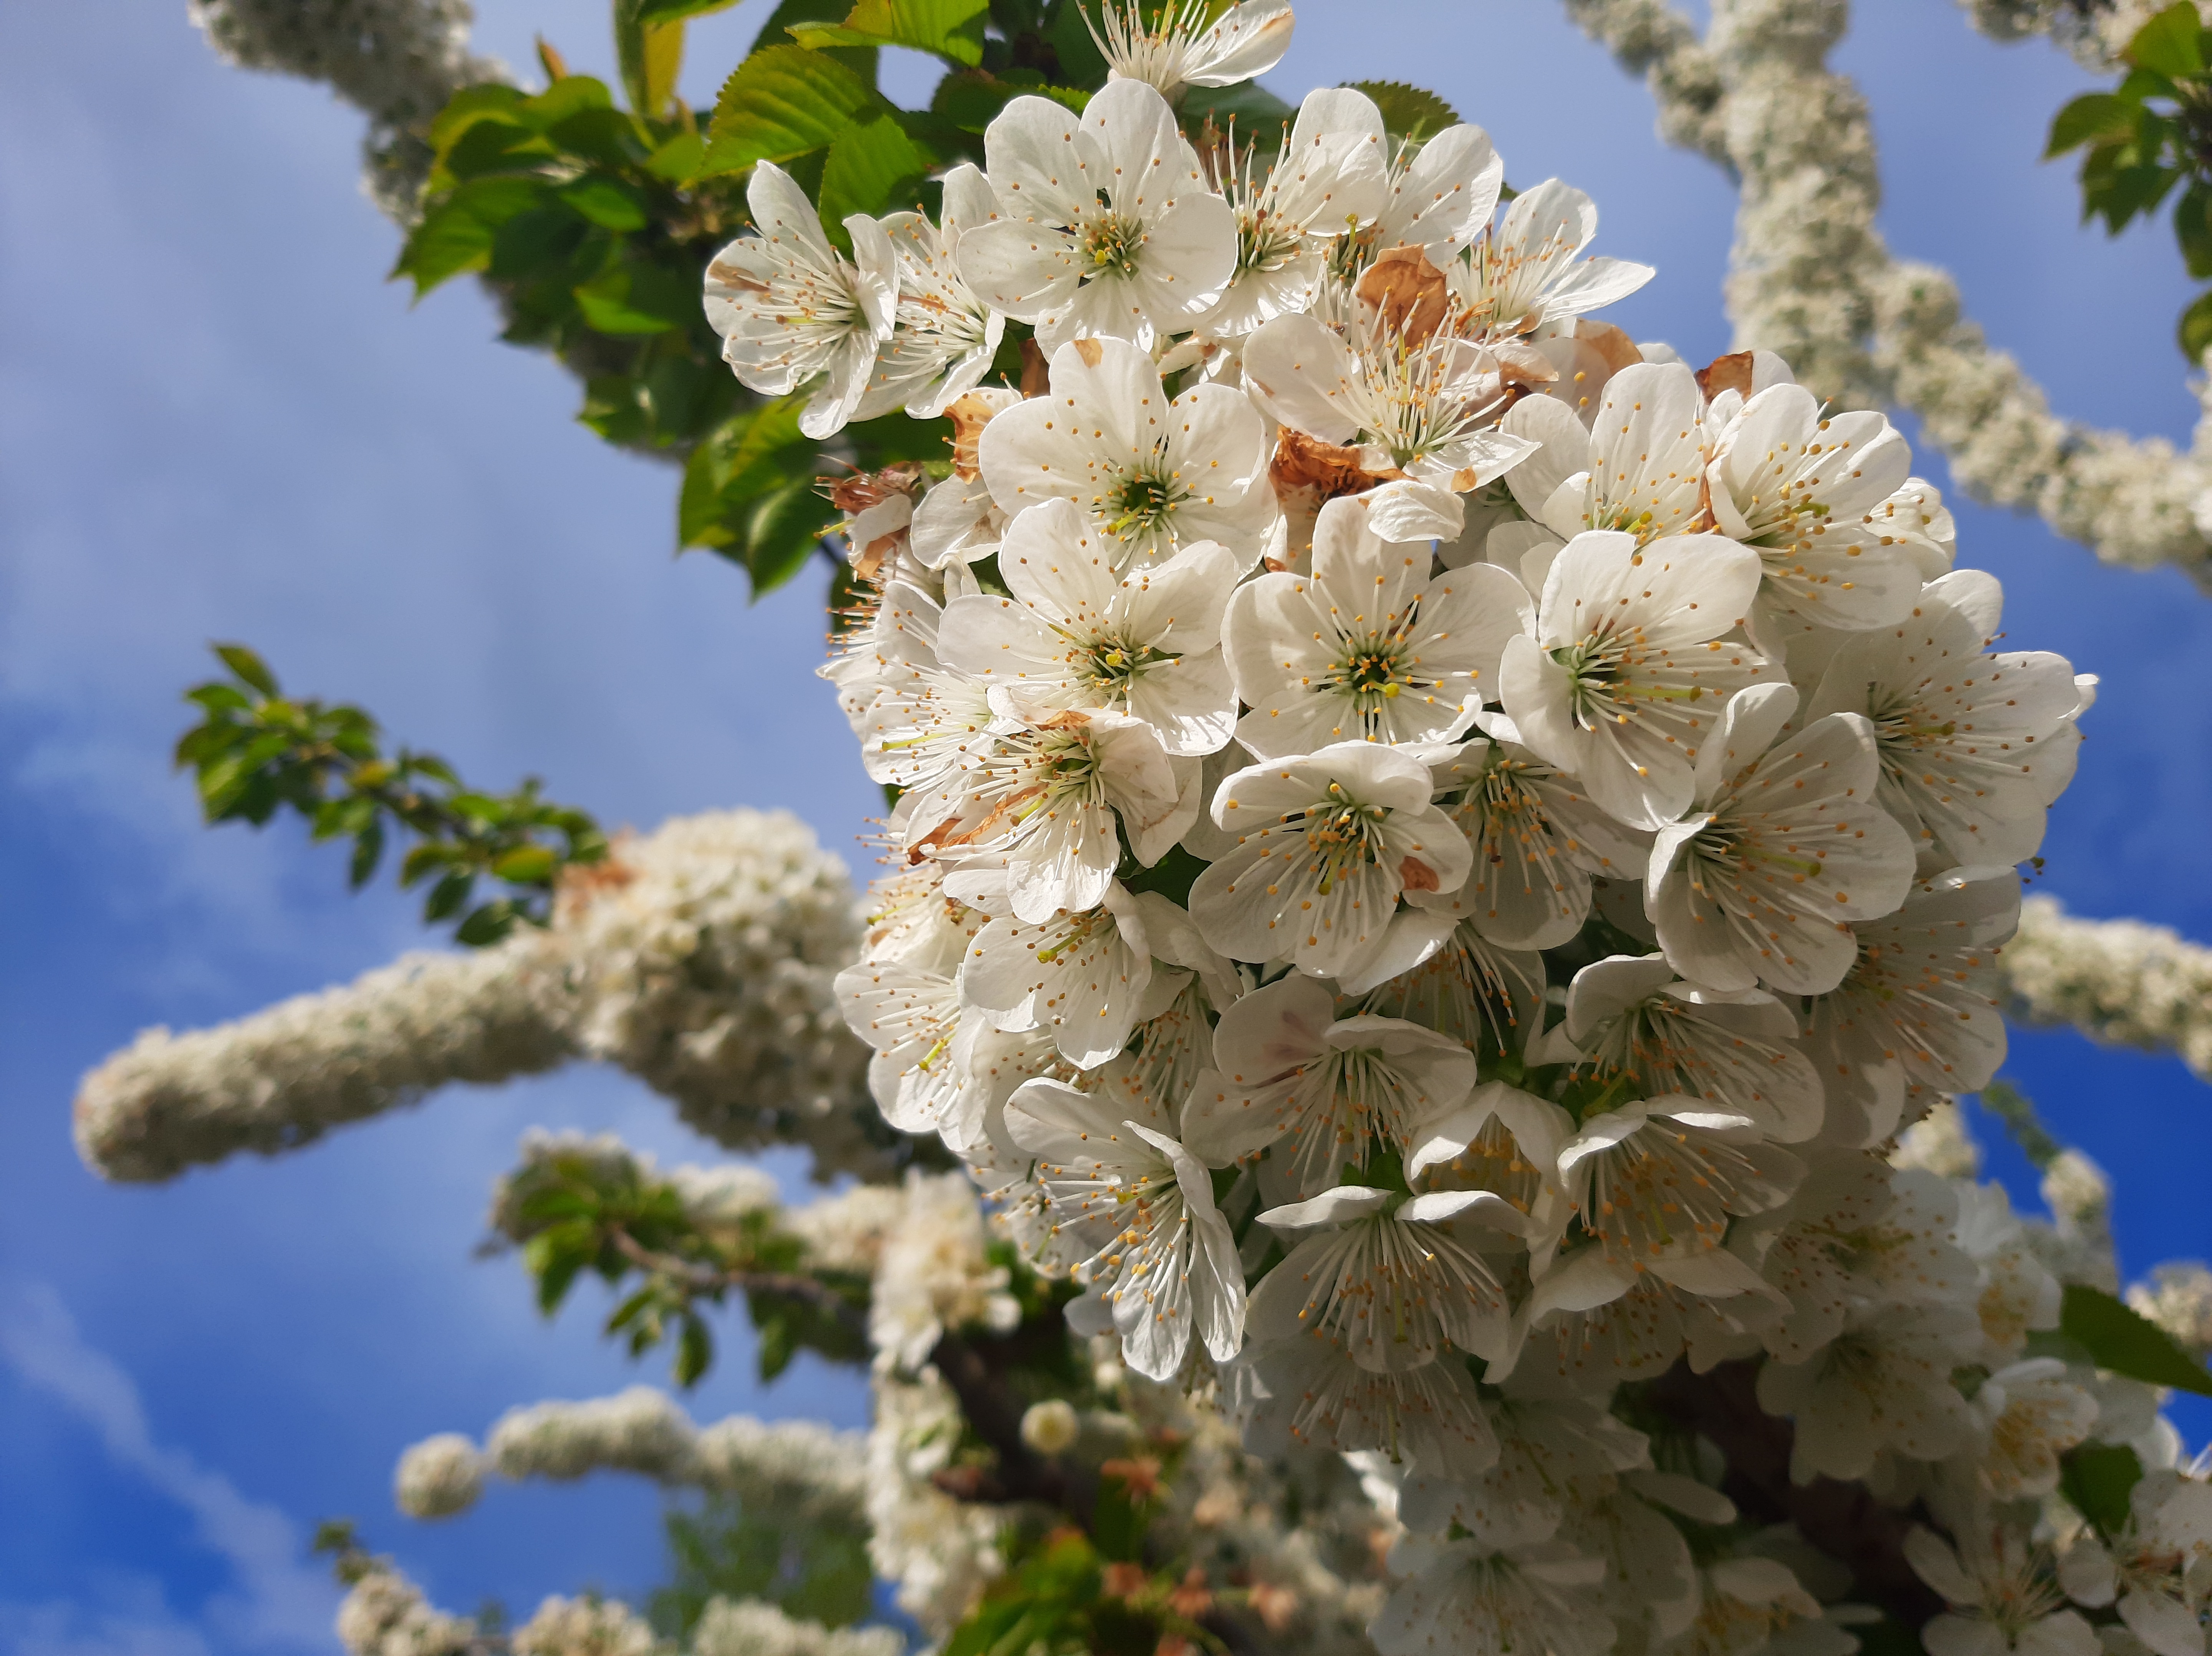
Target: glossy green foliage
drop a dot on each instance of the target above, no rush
(2149, 136)
(814, 1570)
(257, 753)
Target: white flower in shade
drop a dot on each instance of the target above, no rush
(1918, 1007)
(2153, 1568)
(1327, 179)
(902, 1002)
(792, 310)
(1075, 635)
(1552, 1453)
(1460, 1596)
(2019, 1296)
(1536, 840)
(1502, 1140)
(1391, 1283)
(2000, 1599)
(1747, 1604)
(1631, 1022)
(1179, 48)
(1040, 801)
(1786, 846)
(1106, 227)
(1150, 472)
(1593, 1322)
(1652, 1586)
(1484, 996)
(944, 336)
(1973, 747)
(1915, 517)
(1304, 1393)
(1657, 1180)
(1799, 487)
(1085, 976)
(1421, 408)
(1321, 1090)
(1630, 666)
(1326, 843)
(2029, 1414)
(1883, 1383)
(1855, 1235)
(1367, 647)
(1529, 273)
(1639, 467)
(1442, 191)
(1132, 1211)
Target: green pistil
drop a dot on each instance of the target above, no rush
(1111, 245)
(1145, 499)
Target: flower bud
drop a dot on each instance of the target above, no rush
(1049, 1427)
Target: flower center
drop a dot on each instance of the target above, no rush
(1143, 500)
(1343, 836)
(1266, 242)
(1371, 670)
(1110, 664)
(1111, 244)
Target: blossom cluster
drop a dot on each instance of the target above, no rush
(700, 958)
(1437, 848)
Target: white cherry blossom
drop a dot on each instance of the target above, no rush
(1661, 1179)
(1919, 1008)
(944, 337)
(1151, 473)
(1460, 1596)
(1883, 1383)
(1040, 799)
(1327, 179)
(1639, 467)
(1287, 1068)
(1502, 1140)
(1528, 273)
(791, 310)
(1633, 1023)
(1179, 48)
(1537, 843)
(1084, 976)
(1631, 665)
(1105, 228)
(1442, 191)
(1074, 635)
(2030, 1414)
(1368, 647)
(2001, 1603)
(1132, 1212)
(1800, 487)
(1785, 846)
(1483, 994)
(1389, 1283)
(1973, 747)
(1301, 1393)
(1326, 844)
(2154, 1568)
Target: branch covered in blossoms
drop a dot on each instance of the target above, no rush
(699, 958)
(1810, 276)
(2121, 981)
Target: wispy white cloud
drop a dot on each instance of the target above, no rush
(278, 1601)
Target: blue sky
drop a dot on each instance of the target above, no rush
(218, 421)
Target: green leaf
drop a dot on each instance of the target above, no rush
(952, 29)
(781, 533)
(605, 202)
(1408, 110)
(526, 864)
(2092, 115)
(2194, 332)
(447, 895)
(456, 234)
(2121, 1339)
(568, 96)
(782, 103)
(368, 852)
(1251, 106)
(972, 99)
(2170, 44)
(2192, 227)
(2097, 1478)
(745, 456)
(637, 299)
(674, 11)
(695, 1350)
(487, 924)
(678, 158)
(869, 170)
(490, 100)
(651, 53)
(249, 666)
